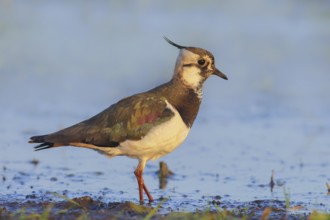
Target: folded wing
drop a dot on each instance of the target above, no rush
(129, 119)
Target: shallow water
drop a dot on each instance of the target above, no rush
(64, 62)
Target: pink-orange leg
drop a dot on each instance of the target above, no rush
(138, 173)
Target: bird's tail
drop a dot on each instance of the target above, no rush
(43, 143)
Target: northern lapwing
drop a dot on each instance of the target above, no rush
(148, 125)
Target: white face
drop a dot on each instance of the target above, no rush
(191, 76)
(188, 69)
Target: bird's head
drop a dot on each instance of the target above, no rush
(194, 65)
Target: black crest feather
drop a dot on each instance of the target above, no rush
(174, 44)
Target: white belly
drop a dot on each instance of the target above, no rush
(160, 140)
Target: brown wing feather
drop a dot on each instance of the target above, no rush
(130, 118)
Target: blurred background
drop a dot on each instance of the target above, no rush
(64, 61)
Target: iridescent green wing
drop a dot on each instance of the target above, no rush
(129, 119)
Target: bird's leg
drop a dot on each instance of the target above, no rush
(138, 173)
(148, 193)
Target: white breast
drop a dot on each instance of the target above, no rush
(160, 140)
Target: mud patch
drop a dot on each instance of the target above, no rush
(83, 207)
(88, 208)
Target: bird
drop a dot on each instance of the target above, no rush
(147, 125)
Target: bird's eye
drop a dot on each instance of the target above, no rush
(201, 62)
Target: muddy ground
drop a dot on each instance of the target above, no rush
(88, 208)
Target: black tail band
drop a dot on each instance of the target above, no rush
(43, 146)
